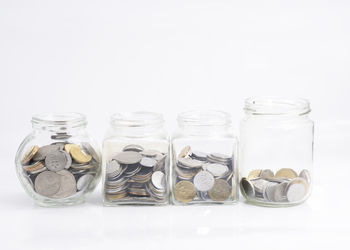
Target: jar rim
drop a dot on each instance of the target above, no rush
(71, 119)
(204, 118)
(276, 106)
(137, 119)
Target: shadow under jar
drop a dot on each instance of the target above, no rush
(135, 160)
(204, 159)
(276, 151)
(58, 163)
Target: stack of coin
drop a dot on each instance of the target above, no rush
(202, 177)
(136, 175)
(286, 186)
(61, 169)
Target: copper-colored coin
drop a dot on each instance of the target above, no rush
(254, 174)
(29, 155)
(286, 173)
(184, 191)
(220, 191)
(78, 155)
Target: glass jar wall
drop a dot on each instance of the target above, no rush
(204, 151)
(58, 163)
(276, 151)
(135, 160)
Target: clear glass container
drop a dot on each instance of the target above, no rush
(135, 160)
(58, 163)
(204, 153)
(276, 151)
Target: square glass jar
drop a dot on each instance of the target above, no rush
(204, 153)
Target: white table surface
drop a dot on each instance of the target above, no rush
(320, 223)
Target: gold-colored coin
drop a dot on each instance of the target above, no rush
(286, 173)
(78, 155)
(185, 152)
(184, 191)
(29, 155)
(68, 147)
(254, 174)
(220, 191)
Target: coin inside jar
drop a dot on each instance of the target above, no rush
(67, 185)
(78, 155)
(45, 150)
(220, 191)
(203, 181)
(30, 154)
(217, 169)
(128, 157)
(58, 160)
(286, 173)
(184, 191)
(47, 183)
(296, 190)
(158, 180)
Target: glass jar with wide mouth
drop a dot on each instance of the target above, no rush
(135, 160)
(204, 153)
(58, 163)
(276, 151)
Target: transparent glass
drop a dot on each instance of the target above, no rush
(135, 160)
(276, 151)
(47, 160)
(204, 153)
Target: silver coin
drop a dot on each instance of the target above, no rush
(112, 167)
(199, 155)
(305, 174)
(44, 151)
(84, 181)
(47, 183)
(203, 181)
(58, 160)
(68, 185)
(150, 152)
(217, 169)
(158, 180)
(133, 147)
(296, 189)
(148, 162)
(190, 163)
(259, 184)
(266, 173)
(247, 188)
(128, 157)
(220, 156)
(60, 136)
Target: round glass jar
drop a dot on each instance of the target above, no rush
(135, 160)
(204, 154)
(58, 163)
(276, 151)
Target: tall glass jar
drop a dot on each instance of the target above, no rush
(204, 153)
(276, 151)
(58, 163)
(135, 160)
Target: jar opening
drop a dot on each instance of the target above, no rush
(137, 119)
(276, 106)
(204, 118)
(59, 119)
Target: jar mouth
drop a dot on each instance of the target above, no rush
(276, 106)
(137, 119)
(70, 119)
(204, 118)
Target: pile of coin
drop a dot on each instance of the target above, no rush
(285, 186)
(136, 175)
(202, 177)
(61, 169)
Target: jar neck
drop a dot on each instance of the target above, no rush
(59, 122)
(276, 107)
(208, 122)
(137, 124)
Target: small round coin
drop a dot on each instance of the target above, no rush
(266, 173)
(296, 190)
(47, 183)
(128, 157)
(185, 152)
(78, 155)
(254, 174)
(84, 181)
(286, 173)
(203, 181)
(57, 161)
(158, 180)
(184, 191)
(133, 147)
(305, 174)
(217, 169)
(45, 150)
(190, 163)
(220, 191)
(148, 162)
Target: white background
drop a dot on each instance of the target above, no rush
(101, 57)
